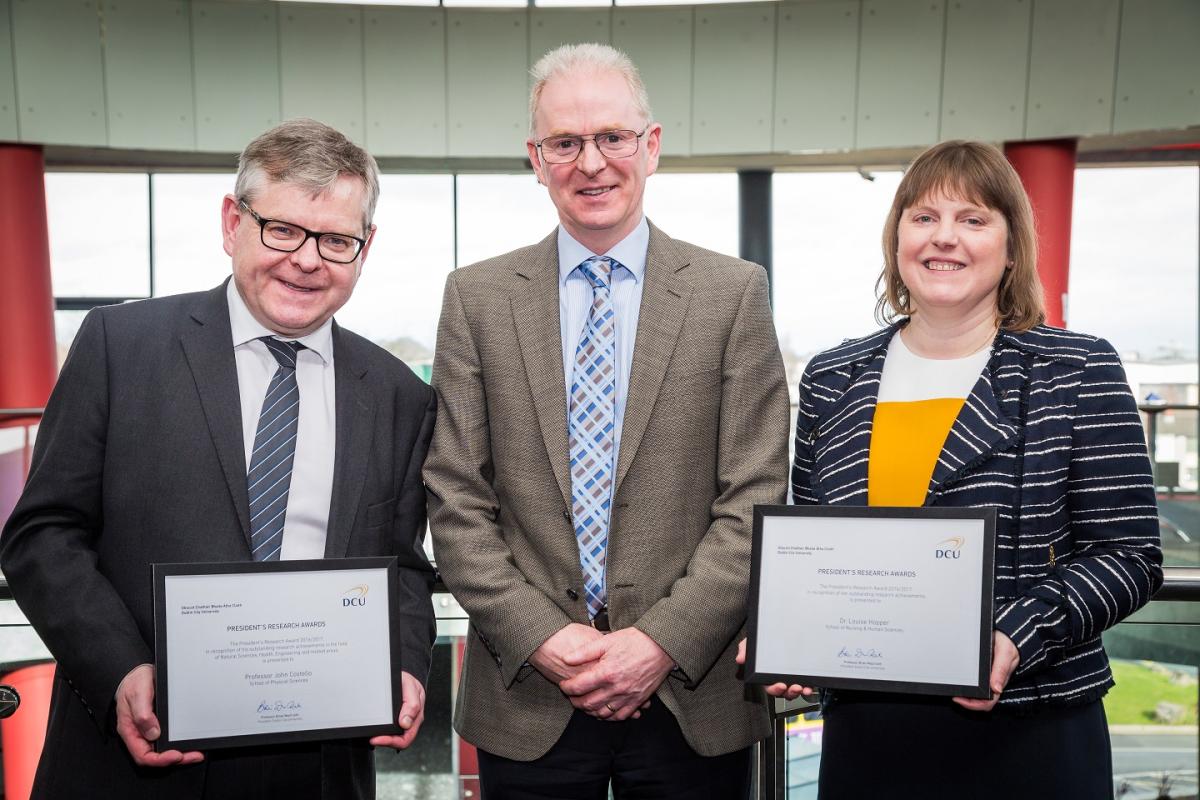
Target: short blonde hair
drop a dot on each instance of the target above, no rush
(590, 57)
(309, 154)
(979, 173)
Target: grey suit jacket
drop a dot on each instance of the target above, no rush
(139, 459)
(704, 439)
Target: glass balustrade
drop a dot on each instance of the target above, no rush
(1156, 653)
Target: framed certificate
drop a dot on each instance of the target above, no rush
(277, 651)
(887, 599)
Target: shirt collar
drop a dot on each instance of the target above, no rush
(630, 252)
(246, 328)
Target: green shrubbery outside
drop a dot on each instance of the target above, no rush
(1142, 686)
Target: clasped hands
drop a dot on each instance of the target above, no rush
(610, 676)
(138, 726)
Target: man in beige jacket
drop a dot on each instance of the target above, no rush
(612, 405)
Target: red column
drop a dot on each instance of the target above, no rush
(28, 355)
(24, 732)
(1047, 168)
(468, 756)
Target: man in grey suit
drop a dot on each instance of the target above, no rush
(612, 405)
(167, 422)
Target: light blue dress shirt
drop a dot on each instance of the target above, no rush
(575, 301)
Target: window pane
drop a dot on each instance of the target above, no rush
(18, 641)
(99, 234)
(399, 296)
(498, 213)
(397, 299)
(16, 450)
(188, 256)
(1134, 253)
(1152, 709)
(1135, 244)
(66, 325)
(826, 227)
(698, 208)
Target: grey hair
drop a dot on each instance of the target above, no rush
(309, 154)
(590, 57)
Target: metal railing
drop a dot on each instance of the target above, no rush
(1153, 411)
(7, 414)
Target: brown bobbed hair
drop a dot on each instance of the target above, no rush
(978, 173)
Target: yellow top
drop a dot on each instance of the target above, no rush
(905, 442)
(919, 399)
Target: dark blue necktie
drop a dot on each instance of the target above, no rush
(270, 474)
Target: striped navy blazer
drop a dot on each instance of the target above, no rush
(1051, 438)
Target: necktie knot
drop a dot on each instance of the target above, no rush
(598, 271)
(284, 352)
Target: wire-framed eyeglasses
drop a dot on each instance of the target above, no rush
(611, 144)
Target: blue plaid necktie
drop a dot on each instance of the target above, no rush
(590, 426)
(270, 474)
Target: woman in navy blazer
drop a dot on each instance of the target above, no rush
(1051, 438)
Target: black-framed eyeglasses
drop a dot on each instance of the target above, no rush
(611, 144)
(288, 237)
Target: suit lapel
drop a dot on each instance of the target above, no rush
(536, 319)
(980, 430)
(664, 307)
(354, 410)
(846, 434)
(208, 348)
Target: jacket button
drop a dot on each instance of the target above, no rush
(566, 515)
(571, 593)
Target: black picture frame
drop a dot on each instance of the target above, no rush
(162, 658)
(979, 690)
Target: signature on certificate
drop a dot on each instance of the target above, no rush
(267, 707)
(860, 652)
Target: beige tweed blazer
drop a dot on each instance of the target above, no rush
(704, 439)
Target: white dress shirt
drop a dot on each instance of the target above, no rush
(311, 490)
(575, 302)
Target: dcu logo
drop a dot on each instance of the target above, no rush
(355, 596)
(948, 548)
